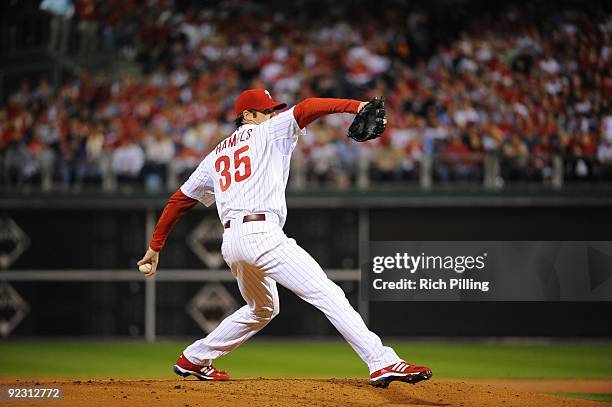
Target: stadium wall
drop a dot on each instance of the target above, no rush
(104, 235)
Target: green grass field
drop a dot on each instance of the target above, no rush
(586, 396)
(304, 359)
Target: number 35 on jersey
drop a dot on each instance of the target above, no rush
(238, 171)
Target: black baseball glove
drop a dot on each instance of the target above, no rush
(370, 122)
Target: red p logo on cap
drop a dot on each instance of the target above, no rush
(256, 99)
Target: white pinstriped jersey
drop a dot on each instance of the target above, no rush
(247, 172)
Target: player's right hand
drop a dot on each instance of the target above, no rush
(151, 257)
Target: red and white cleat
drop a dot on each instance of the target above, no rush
(400, 371)
(183, 367)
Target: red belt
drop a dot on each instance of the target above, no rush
(248, 218)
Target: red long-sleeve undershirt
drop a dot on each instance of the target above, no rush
(177, 206)
(311, 109)
(304, 112)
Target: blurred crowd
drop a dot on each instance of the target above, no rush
(521, 86)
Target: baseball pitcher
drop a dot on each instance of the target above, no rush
(246, 174)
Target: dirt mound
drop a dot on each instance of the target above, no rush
(286, 392)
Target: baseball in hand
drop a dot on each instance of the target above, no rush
(145, 268)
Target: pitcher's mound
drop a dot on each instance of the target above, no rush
(286, 392)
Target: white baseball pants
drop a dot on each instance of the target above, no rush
(261, 255)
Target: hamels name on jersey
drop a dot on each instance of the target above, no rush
(233, 140)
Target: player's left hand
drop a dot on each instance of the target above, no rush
(370, 121)
(151, 257)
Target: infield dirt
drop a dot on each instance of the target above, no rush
(286, 392)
